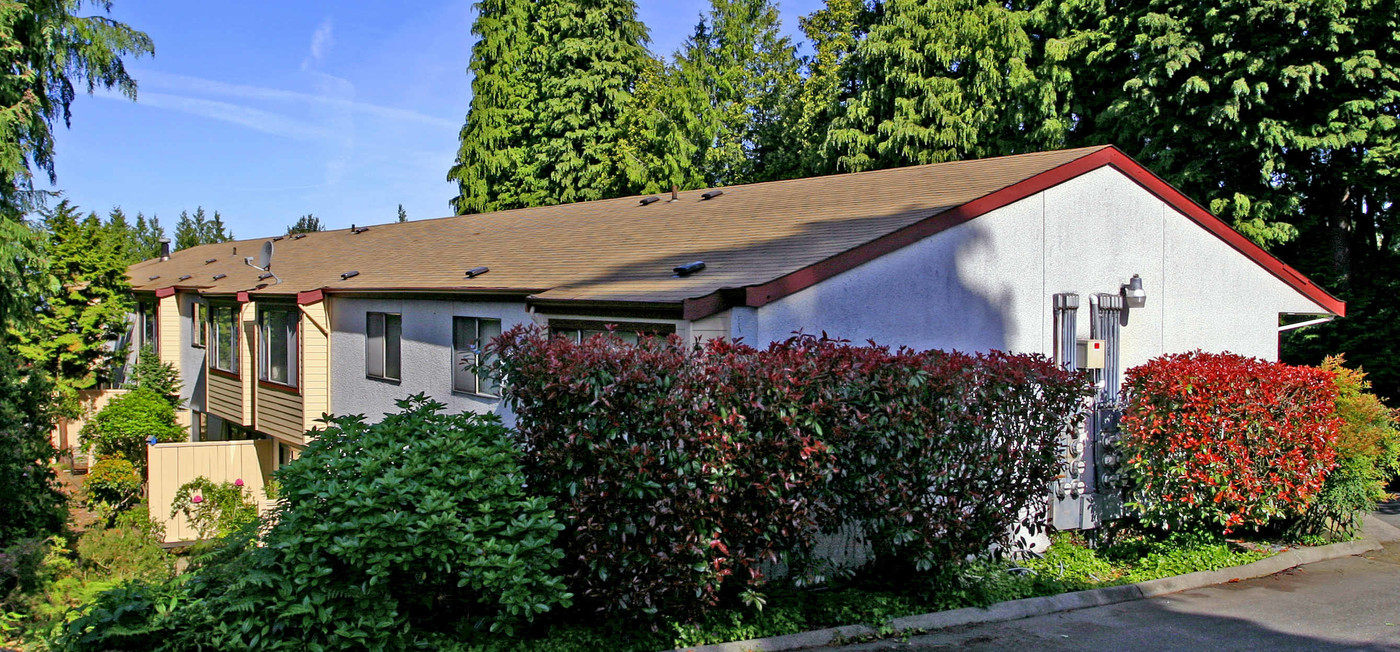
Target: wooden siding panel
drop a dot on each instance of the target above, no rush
(225, 397)
(316, 365)
(248, 357)
(279, 413)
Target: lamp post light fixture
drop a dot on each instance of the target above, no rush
(1133, 294)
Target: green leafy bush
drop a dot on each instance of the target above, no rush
(1220, 441)
(1367, 449)
(214, 509)
(122, 427)
(390, 536)
(112, 482)
(160, 378)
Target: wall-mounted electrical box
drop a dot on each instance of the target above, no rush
(1091, 354)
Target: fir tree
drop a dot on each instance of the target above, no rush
(306, 224)
(199, 229)
(746, 73)
(490, 170)
(147, 236)
(403, 214)
(941, 80)
(833, 32)
(71, 335)
(585, 74)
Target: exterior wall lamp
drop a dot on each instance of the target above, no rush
(1133, 294)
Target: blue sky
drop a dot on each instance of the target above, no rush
(266, 111)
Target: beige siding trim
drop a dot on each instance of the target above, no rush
(248, 358)
(173, 465)
(315, 364)
(169, 342)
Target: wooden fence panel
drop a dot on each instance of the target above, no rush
(173, 465)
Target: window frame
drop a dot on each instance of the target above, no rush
(199, 321)
(148, 328)
(293, 343)
(382, 348)
(460, 353)
(216, 344)
(579, 329)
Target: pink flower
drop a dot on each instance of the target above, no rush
(238, 482)
(197, 499)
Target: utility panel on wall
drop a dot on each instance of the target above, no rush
(1091, 354)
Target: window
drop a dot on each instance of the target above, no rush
(223, 350)
(578, 330)
(278, 346)
(200, 315)
(383, 335)
(146, 315)
(470, 372)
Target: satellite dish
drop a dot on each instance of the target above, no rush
(265, 256)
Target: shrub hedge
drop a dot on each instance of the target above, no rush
(1223, 441)
(682, 472)
(123, 425)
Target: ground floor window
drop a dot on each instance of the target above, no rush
(470, 370)
(579, 330)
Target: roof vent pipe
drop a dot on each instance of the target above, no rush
(675, 193)
(712, 194)
(349, 275)
(689, 268)
(165, 249)
(477, 271)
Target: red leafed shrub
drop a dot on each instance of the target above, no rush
(1216, 440)
(680, 470)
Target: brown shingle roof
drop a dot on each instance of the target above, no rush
(615, 250)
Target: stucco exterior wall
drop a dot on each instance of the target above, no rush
(987, 284)
(426, 356)
(191, 365)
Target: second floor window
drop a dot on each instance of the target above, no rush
(223, 347)
(383, 333)
(146, 315)
(278, 350)
(199, 315)
(469, 336)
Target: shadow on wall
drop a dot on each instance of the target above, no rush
(942, 292)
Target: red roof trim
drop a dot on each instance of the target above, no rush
(162, 293)
(310, 297)
(758, 295)
(243, 297)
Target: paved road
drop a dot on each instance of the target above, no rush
(1342, 604)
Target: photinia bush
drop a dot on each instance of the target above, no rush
(680, 471)
(1223, 441)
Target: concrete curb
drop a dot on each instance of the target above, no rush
(1028, 607)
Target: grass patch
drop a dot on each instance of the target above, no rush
(1069, 565)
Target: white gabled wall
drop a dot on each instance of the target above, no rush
(987, 284)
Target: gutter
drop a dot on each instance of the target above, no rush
(1304, 324)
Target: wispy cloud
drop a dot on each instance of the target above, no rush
(194, 85)
(322, 40)
(255, 119)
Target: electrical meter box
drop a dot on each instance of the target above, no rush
(1091, 354)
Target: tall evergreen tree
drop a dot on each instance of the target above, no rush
(306, 224)
(940, 80)
(746, 73)
(491, 167)
(197, 229)
(586, 75)
(403, 214)
(71, 335)
(833, 32)
(147, 236)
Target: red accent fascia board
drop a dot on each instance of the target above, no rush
(162, 293)
(759, 295)
(310, 297)
(243, 297)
